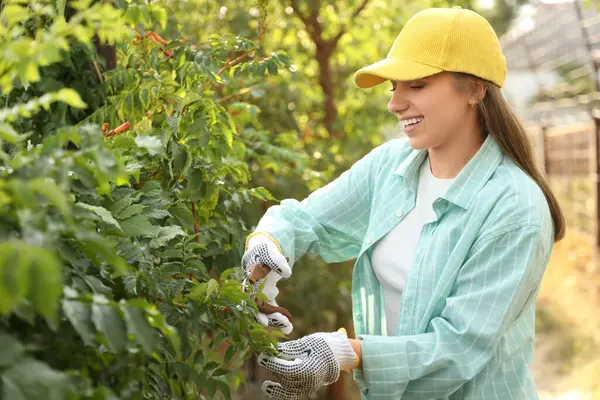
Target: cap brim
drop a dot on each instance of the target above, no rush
(397, 69)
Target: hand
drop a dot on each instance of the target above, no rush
(262, 250)
(307, 364)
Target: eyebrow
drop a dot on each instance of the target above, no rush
(420, 80)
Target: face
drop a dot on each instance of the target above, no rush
(432, 110)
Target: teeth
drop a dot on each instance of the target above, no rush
(411, 121)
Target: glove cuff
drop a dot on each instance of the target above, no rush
(342, 349)
(258, 237)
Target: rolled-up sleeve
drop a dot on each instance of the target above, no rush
(501, 275)
(332, 221)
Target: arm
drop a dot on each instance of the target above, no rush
(499, 278)
(333, 220)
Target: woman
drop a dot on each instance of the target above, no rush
(452, 228)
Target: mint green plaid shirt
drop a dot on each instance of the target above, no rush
(467, 320)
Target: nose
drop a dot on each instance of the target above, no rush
(398, 103)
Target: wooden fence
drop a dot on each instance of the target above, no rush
(567, 154)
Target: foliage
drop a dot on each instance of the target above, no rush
(119, 248)
(127, 193)
(573, 80)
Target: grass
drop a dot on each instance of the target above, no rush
(569, 312)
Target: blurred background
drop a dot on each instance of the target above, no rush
(552, 49)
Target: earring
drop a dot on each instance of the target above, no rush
(472, 104)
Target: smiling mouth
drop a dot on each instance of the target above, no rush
(407, 123)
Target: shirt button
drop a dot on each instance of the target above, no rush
(399, 213)
(369, 240)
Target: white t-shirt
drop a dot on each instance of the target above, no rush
(393, 254)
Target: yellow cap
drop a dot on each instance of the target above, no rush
(436, 40)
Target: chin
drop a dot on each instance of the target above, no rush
(417, 143)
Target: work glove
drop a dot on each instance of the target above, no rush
(261, 249)
(307, 364)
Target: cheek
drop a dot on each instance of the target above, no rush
(442, 111)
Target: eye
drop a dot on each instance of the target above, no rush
(394, 84)
(417, 86)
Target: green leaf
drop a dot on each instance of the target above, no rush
(152, 188)
(25, 311)
(184, 216)
(165, 234)
(99, 249)
(211, 388)
(96, 285)
(108, 321)
(199, 292)
(14, 13)
(120, 205)
(60, 7)
(10, 350)
(130, 211)
(145, 98)
(262, 66)
(229, 354)
(223, 386)
(157, 320)
(33, 379)
(70, 97)
(45, 276)
(261, 193)
(138, 327)
(219, 339)
(14, 275)
(11, 390)
(49, 189)
(7, 133)
(157, 213)
(212, 287)
(272, 67)
(152, 144)
(79, 315)
(220, 372)
(102, 213)
(138, 226)
(31, 271)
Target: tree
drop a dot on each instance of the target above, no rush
(120, 243)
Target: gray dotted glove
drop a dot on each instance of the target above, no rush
(262, 250)
(307, 364)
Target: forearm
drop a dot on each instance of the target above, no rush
(357, 347)
(311, 226)
(332, 221)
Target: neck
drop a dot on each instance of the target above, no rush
(447, 160)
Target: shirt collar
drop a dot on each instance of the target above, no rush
(469, 180)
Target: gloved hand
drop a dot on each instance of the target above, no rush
(260, 249)
(307, 364)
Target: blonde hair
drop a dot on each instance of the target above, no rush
(496, 117)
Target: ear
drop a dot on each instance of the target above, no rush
(478, 90)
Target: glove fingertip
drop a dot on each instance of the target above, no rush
(260, 358)
(269, 387)
(287, 329)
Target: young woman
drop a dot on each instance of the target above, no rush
(451, 227)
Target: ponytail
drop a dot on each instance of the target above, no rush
(497, 117)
